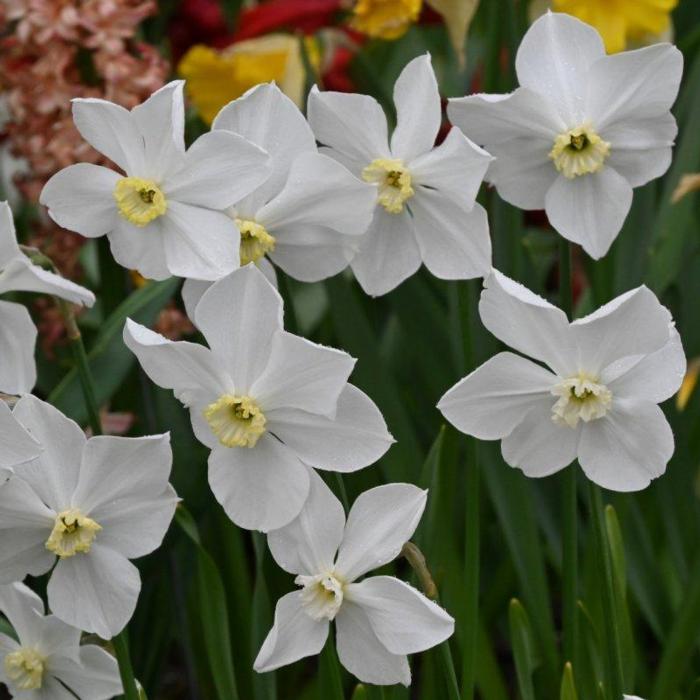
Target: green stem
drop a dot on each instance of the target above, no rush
(613, 657)
(342, 491)
(330, 668)
(448, 669)
(121, 649)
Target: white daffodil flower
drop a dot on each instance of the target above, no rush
(95, 504)
(46, 660)
(307, 216)
(164, 215)
(596, 398)
(378, 620)
(17, 330)
(582, 129)
(265, 402)
(425, 196)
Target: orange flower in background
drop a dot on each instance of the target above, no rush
(385, 19)
(621, 21)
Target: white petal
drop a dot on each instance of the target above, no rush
(388, 254)
(539, 446)
(24, 609)
(494, 398)
(455, 168)
(219, 169)
(418, 109)
(320, 191)
(350, 124)
(554, 59)
(81, 198)
(268, 118)
(51, 689)
(96, 592)
(590, 209)
(96, 676)
(353, 439)
(363, 654)
(527, 323)
(9, 250)
(54, 473)
(380, 522)
(294, 635)
(238, 316)
(309, 543)
(627, 448)
(635, 323)
(268, 269)
(141, 249)
(17, 341)
(192, 291)
(454, 241)
(260, 488)
(58, 639)
(16, 444)
(634, 84)
(403, 619)
(110, 129)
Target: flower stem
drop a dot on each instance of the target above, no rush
(121, 648)
(330, 669)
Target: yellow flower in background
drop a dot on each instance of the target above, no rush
(215, 77)
(690, 382)
(621, 21)
(385, 19)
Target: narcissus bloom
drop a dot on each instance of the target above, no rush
(596, 397)
(93, 504)
(378, 620)
(46, 660)
(17, 330)
(266, 402)
(164, 215)
(583, 129)
(308, 216)
(425, 197)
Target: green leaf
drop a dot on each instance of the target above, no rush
(524, 653)
(568, 687)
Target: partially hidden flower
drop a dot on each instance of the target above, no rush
(309, 215)
(265, 402)
(385, 19)
(581, 131)
(164, 215)
(88, 506)
(46, 660)
(380, 619)
(17, 330)
(425, 197)
(594, 397)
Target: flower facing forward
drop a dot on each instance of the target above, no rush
(266, 402)
(89, 506)
(597, 397)
(583, 129)
(308, 216)
(17, 330)
(164, 215)
(378, 620)
(46, 656)
(425, 209)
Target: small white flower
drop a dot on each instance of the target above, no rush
(17, 330)
(265, 402)
(378, 620)
(94, 504)
(425, 208)
(164, 215)
(47, 657)
(583, 129)
(597, 397)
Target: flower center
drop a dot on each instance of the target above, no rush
(139, 201)
(236, 420)
(73, 532)
(580, 398)
(393, 181)
(255, 241)
(25, 668)
(321, 596)
(579, 152)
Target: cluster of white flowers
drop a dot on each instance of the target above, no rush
(272, 407)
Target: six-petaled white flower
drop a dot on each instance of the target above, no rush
(380, 619)
(164, 215)
(266, 402)
(425, 196)
(597, 397)
(46, 661)
(95, 504)
(582, 129)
